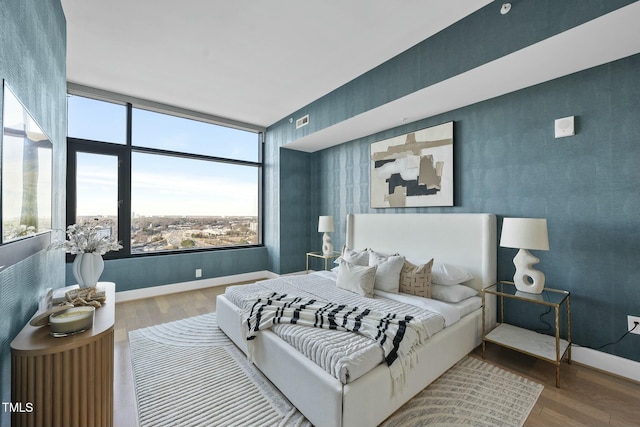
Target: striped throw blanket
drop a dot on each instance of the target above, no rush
(397, 335)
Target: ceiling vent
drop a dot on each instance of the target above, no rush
(302, 121)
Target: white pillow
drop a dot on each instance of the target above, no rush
(354, 257)
(447, 274)
(452, 293)
(356, 278)
(387, 272)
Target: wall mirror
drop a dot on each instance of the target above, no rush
(27, 156)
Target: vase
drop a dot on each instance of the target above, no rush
(87, 269)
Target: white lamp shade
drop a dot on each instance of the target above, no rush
(525, 233)
(325, 224)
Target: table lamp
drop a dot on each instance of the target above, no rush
(524, 234)
(325, 225)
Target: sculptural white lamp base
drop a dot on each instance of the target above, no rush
(523, 234)
(325, 225)
(526, 278)
(327, 246)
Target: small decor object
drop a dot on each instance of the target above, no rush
(86, 296)
(413, 170)
(71, 321)
(325, 225)
(89, 241)
(42, 319)
(523, 234)
(87, 269)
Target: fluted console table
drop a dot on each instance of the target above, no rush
(68, 380)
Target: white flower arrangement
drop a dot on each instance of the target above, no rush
(87, 238)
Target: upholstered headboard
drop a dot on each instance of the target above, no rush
(466, 240)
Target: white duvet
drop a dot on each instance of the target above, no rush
(344, 355)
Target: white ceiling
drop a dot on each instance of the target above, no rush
(258, 64)
(253, 62)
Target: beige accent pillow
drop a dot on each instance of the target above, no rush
(356, 278)
(416, 279)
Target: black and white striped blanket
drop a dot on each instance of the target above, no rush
(397, 335)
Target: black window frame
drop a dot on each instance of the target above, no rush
(123, 152)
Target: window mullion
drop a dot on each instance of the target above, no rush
(124, 190)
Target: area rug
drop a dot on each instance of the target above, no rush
(188, 373)
(472, 393)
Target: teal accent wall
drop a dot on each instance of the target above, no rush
(295, 208)
(143, 272)
(507, 160)
(475, 40)
(33, 64)
(286, 212)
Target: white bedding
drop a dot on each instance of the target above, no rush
(344, 355)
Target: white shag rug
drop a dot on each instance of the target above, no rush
(188, 373)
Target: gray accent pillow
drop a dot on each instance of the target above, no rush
(355, 257)
(356, 278)
(388, 271)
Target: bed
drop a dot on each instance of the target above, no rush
(467, 241)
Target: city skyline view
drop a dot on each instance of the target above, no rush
(170, 233)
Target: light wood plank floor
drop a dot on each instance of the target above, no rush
(586, 397)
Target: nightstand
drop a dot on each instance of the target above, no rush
(545, 347)
(320, 255)
(68, 380)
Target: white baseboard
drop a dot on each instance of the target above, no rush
(297, 273)
(606, 362)
(155, 291)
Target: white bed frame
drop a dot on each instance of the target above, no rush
(464, 240)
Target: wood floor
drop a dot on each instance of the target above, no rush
(586, 397)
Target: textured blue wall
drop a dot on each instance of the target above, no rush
(144, 272)
(475, 40)
(32, 62)
(295, 209)
(507, 162)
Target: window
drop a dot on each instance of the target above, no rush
(196, 189)
(157, 130)
(96, 120)
(176, 184)
(97, 190)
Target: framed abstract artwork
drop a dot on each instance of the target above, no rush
(413, 170)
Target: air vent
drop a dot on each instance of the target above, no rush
(302, 121)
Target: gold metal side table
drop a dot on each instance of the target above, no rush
(320, 255)
(546, 347)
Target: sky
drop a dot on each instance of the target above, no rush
(164, 185)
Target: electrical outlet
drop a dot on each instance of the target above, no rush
(198, 272)
(632, 322)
